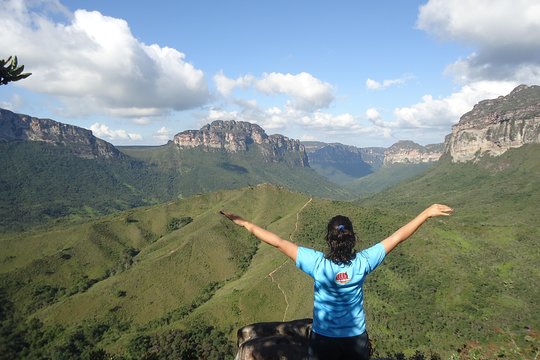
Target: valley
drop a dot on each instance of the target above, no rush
(127, 257)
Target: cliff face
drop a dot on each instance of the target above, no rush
(319, 152)
(239, 136)
(408, 152)
(342, 164)
(374, 156)
(494, 126)
(18, 127)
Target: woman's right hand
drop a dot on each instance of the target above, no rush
(438, 210)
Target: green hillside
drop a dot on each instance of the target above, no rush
(41, 182)
(503, 190)
(489, 250)
(385, 177)
(153, 277)
(203, 171)
(128, 274)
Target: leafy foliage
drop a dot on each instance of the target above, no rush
(41, 183)
(203, 171)
(11, 71)
(486, 262)
(178, 223)
(125, 285)
(386, 177)
(200, 341)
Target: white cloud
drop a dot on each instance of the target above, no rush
(95, 60)
(269, 119)
(102, 131)
(373, 114)
(134, 112)
(12, 104)
(341, 125)
(376, 85)
(329, 121)
(493, 23)
(218, 114)
(275, 119)
(142, 121)
(225, 85)
(506, 35)
(440, 114)
(304, 90)
(163, 134)
(373, 85)
(308, 137)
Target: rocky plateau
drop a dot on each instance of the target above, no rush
(408, 152)
(81, 142)
(240, 136)
(494, 126)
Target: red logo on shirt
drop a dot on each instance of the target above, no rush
(342, 278)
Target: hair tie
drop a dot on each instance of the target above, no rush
(341, 227)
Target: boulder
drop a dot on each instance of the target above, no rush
(274, 340)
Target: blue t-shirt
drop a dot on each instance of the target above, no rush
(338, 309)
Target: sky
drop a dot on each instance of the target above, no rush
(362, 73)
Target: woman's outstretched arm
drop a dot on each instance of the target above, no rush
(407, 230)
(288, 248)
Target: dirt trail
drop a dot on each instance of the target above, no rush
(280, 266)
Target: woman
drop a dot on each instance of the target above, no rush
(339, 329)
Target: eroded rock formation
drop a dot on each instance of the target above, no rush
(494, 126)
(81, 142)
(352, 156)
(239, 136)
(408, 152)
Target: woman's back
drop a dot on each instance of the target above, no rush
(338, 294)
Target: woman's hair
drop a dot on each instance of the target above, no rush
(341, 240)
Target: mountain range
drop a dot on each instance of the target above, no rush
(52, 170)
(173, 277)
(496, 125)
(48, 166)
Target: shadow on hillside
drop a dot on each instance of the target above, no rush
(234, 168)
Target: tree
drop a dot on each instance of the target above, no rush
(9, 71)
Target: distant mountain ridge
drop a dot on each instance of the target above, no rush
(345, 164)
(115, 283)
(319, 151)
(52, 170)
(409, 152)
(238, 136)
(81, 142)
(494, 126)
(342, 163)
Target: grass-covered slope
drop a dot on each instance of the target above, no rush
(41, 182)
(130, 274)
(503, 190)
(134, 282)
(203, 171)
(483, 262)
(384, 178)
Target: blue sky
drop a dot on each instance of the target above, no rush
(364, 73)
